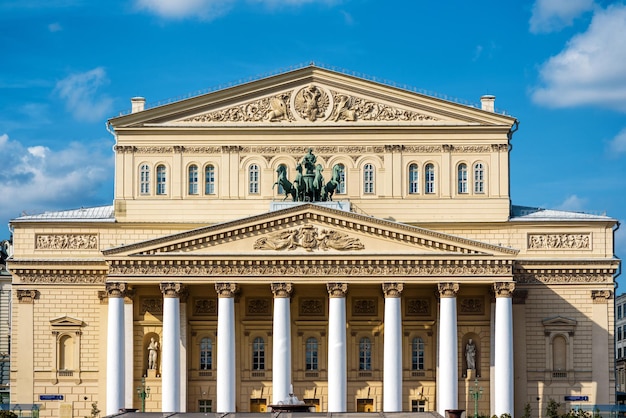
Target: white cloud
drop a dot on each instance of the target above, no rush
(80, 92)
(37, 178)
(180, 9)
(573, 203)
(591, 70)
(554, 15)
(618, 144)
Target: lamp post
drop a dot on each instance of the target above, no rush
(143, 392)
(476, 392)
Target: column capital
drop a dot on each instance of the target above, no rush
(601, 296)
(172, 289)
(503, 289)
(448, 289)
(226, 290)
(393, 290)
(337, 290)
(282, 290)
(116, 289)
(26, 295)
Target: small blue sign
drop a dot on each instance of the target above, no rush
(577, 398)
(50, 397)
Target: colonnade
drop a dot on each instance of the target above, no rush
(447, 355)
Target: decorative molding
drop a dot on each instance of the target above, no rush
(470, 149)
(601, 296)
(66, 241)
(116, 289)
(173, 289)
(26, 295)
(226, 290)
(154, 150)
(312, 307)
(392, 290)
(311, 267)
(204, 307)
(124, 149)
(337, 290)
(203, 150)
(500, 147)
(418, 307)
(282, 290)
(559, 241)
(154, 305)
(258, 306)
(271, 109)
(63, 276)
(563, 277)
(351, 108)
(311, 103)
(364, 306)
(423, 149)
(503, 289)
(308, 237)
(448, 290)
(472, 305)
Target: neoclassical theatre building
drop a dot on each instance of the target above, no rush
(318, 234)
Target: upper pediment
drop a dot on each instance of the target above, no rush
(311, 96)
(309, 230)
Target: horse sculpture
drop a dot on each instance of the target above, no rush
(283, 182)
(299, 185)
(318, 183)
(332, 185)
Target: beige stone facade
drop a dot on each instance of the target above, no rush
(424, 200)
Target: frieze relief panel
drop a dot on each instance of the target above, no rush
(258, 306)
(308, 237)
(472, 305)
(312, 103)
(66, 242)
(559, 241)
(417, 307)
(205, 307)
(364, 307)
(312, 307)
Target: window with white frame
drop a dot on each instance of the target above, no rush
(429, 174)
(462, 178)
(311, 353)
(479, 178)
(417, 354)
(144, 179)
(206, 354)
(161, 173)
(193, 179)
(205, 405)
(258, 354)
(418, 405)
(209, 179)
(414, 187)
(368, 179)
(365, 354)
(253, 179)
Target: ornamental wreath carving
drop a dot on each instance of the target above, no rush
(310, 238)
(66, 242)
(560, 241)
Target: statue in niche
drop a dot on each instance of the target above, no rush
(153, 354)
(470, 354)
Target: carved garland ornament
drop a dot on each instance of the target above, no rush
(308, 237)
(66, 241)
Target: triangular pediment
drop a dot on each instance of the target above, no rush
(310, 230)
(311, 96)
(66, 321)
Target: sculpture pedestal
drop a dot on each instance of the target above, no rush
(470, 374)
(151, 374)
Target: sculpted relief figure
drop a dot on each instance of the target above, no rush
(309, 238)
(470, 354)
(153, 354)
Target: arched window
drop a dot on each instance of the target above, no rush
(559, 353)
(417, 354)
(365, 354)
(144, 179)
(253, 179)
(414, 187)
(341, 189)
(66, 353)
(368, 179)
(479, 178)
(258, 354)
(429, 174)
(462, 178)
(193, 179)
(281, 189)
(206, 354)
(311, 353)
(161, 180)
(209, 179)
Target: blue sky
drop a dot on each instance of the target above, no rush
(559, 66)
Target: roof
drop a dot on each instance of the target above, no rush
(93, 214)
(528, 213)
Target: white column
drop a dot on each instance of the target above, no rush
(170, 355)
(226, 383)
(448, 358)
(503, 360)
(130, 393)
(392, 367)
(337, 366)
(115, 348)
(281, 342)
(183, 355)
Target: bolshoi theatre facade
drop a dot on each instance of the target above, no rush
(317, 234)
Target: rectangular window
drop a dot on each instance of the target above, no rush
(619, 353)
(209, 180)
(205, 405)
(619, 312)
(193, 180)
(619, 333)
(418, 406)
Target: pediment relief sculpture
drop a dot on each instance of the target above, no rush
(310, 238)
(312, 103)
